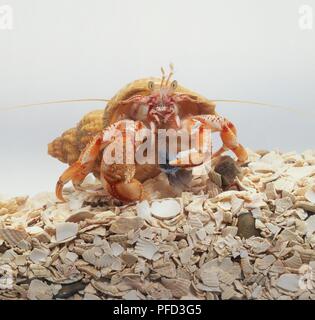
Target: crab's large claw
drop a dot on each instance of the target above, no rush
(201, 125)
(127, 192)
(118, 180)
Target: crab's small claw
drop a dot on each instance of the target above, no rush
(76, 173)
(81, 168)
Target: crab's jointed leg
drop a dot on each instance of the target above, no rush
(202, 124)
(81, 168)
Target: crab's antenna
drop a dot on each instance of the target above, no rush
(263, 104)
(170, 74)
(22, 106)
(163, 77)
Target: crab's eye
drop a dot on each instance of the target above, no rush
(151, 85)
(174, 85)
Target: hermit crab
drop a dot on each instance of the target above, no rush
(151, 103)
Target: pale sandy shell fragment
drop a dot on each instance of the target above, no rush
(106, 288)
(89, 296)
(274, 229)
(246, 266)
(195, 222)
(117, 249)
(300, 172)
(157, 291)
(283, 204)
(196, 206)
(126, 224)
(185, 255)
(144, 210)
(310, 225)
(71, 257)
(225, 205)
(294, 262)
(258, 245)
(270, 191)
(179, 287)
(105, 261)
(7, 278)
(66, 230)
(201, 234)
(38, 233)
(284, 184)
(256, 293)
(310, 194)
(167, 270)
(229, 231)
(131, 295)
(308, 206)
(228, 293)
(146, 249)
(288, 235)
(265, 262)
(226, 277)
(39, 290)
(13, 236)
(289, 282)
(39, 255)
(166, 209)
(306, 255)
(210, 278)
(236, 204)
(261, 167)
(80, 216)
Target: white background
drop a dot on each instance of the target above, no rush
(244, 49)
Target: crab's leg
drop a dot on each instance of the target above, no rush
(204, 123)
(82, 167)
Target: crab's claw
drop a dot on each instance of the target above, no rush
(81, 168)
(76, 172)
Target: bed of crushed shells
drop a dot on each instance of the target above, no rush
(252, 240)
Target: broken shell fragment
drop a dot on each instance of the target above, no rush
(310, 194)
(145, 248)
(39, 290)
(123, 225)
(165, 209)
(66, 230)
(39, 255)
(13, 236)
(178, 287)
(289, 282)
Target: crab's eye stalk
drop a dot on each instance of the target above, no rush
(174, 85)
(151, 85)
